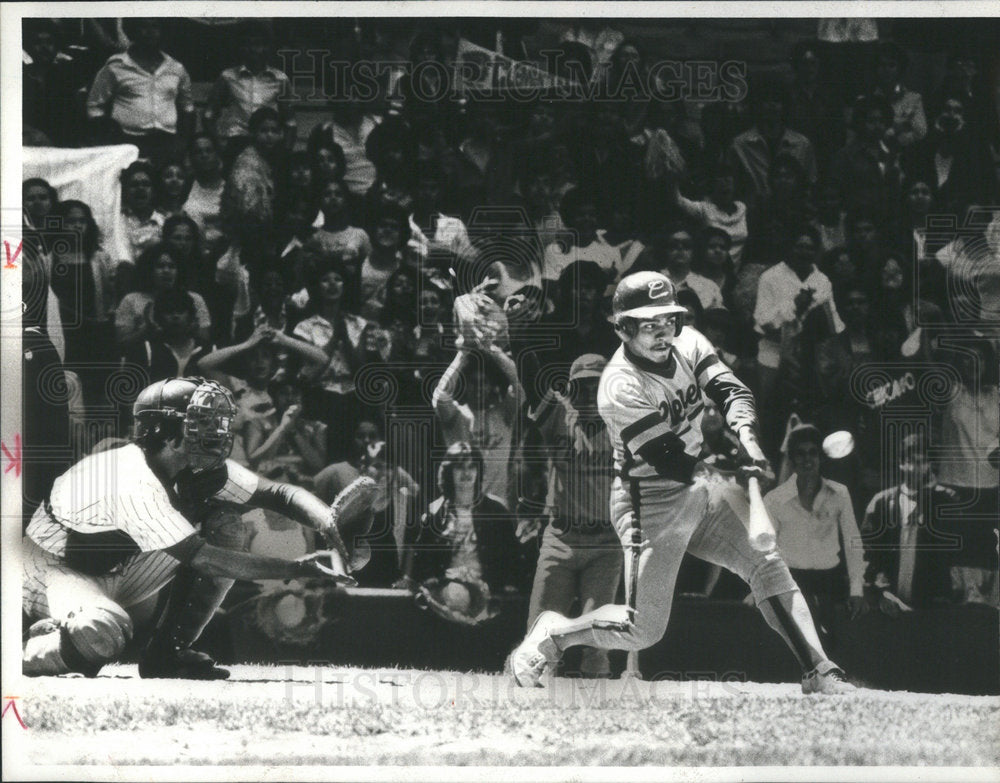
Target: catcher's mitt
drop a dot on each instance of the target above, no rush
(353, 513)
(462, 602)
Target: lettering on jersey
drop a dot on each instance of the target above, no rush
(891, 390)
(676, 409)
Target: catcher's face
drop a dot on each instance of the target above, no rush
(653, 338)
(208, 437)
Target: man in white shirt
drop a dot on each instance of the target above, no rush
(583, 243)
(814, 521)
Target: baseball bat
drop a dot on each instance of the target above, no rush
(760, 528)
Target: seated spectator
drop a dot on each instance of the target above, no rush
(54, 86)
(83, 281)
(581, 556)
(439, 240)
(672, 253)
(578, 209)
(171, 347)
(142, 96)
(248, 198)
(860, 338)
(348, 129)
(143, 224)
(622, 232)
(328, 163)
(787, 201)
(720, 210)
(171, 188)
(300, 182)
(907, 551)
(204, 199)
(579, 316)
(689, 300)
(813, 107)
(537, 188)
(181, 234)
(337, 236)
(464, 553)
(38, 201)
(393, 505)
(157, 271)
(390, 233)
(476, 401)
(830, 215)
(714, 261)
(242, 89)
(752, 152)
(867, 169)
(817, 533)
(909, 124)
(897, 316)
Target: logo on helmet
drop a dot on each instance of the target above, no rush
(661, 286)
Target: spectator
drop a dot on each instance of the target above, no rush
(579, 317)
(813, 108)
(721, 210)
(338, 236)
(464, 552)
(393, 504)
(861, 338)
(181, 234)
(143, 224)
(580, 557)
(786, 293)
(867, 168)
(248, 198)
(328, 161)
(907, 551)
(157, 270)
(83, 280)
(204, 199)
(476, 401)
(817, 534)
(171, 188)
(752, 152)
(714, 261)
(299, 184)
(673, 253)
(830, 215)
(241, 90)
(171, 348)
(963, 80)
(54, 90)
(38, 201)
(438, 240)
(336, 331)
(582, 242)
(348, 130)
(896, 318)
(536, 185)
(909, 124)
(143, 96)
(389, 236)
(622, 232)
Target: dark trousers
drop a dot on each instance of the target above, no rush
(822, 589)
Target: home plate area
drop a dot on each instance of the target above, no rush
(327, 715)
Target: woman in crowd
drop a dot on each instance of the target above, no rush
(713, 260)
(159, 269)
(204, 199)
(38, 200)
(171, 188)
(143, 223)
(720, 210)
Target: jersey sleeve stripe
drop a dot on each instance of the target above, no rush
(705, 363)
(640, 426)
(641, 439)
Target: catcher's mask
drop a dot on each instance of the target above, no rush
(199, 411)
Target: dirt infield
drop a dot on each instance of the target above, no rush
(294, 715)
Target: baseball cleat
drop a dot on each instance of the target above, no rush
(183, 664)
(529, 660)
(827, 678)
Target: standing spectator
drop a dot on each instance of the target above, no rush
(909, 124)
(816, 531)
(721, 210)
(53, 91)
(204, 199)
(143, 96)
(390, 233)
(338, 236)
(813, 108)
(348, 130)
(582, 241)
(580, 555)
(786, 294)
(83, 280)
(171, 188)
(157, 270)
(482, 410)
(867, 167)
(907, 551)
(143, 224)
(241, 90)
(752, 152)
(439, 240)
(673, 253)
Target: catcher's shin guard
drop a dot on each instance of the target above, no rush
(194, 599)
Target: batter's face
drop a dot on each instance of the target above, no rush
(653, 338)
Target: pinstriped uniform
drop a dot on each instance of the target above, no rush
(113, 492)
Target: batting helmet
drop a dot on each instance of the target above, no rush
(199, 410)
(645, 295)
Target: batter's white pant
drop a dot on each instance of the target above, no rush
(657, 522)
(575, 565)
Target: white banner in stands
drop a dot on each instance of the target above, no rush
(478, 68)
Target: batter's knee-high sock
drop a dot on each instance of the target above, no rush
(788, 614)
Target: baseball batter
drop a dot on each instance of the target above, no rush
(665, 501)
(114, 531)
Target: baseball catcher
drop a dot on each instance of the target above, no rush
(121, 524)
(665, 501)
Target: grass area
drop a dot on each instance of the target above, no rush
(324, 715)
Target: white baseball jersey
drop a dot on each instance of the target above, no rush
(654, 411)
(116, 493)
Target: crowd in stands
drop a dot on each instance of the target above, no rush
(321, 276)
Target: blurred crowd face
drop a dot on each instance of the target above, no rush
(680, 251)
(653, 338)
(176, 325)
(328, 165)
(806, 459)
(38, 204)
(430, 307)
(147, 34)
(285, 396)
(139, 192)
(268, 136)
(465, 474)
(807, 68)
(260, 364)
(365, 434)
(300, 176)
(892, 275)
(784, 181)
(334, 199)
(272, 290)
(716, 253)
(856, 309)
(428, 193)
(865, 234)
(770, 118)
(887, 72)
(254, 52)
(43, 48)
(181, 239)
(918, 198)
(952, 117)
(164, 273)
(803, 254)
(915, 470)
(331, 287)
(723, 189)
(173, 179)
(75, 221)
(387, 234)
(873, 125)
(204, 157)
